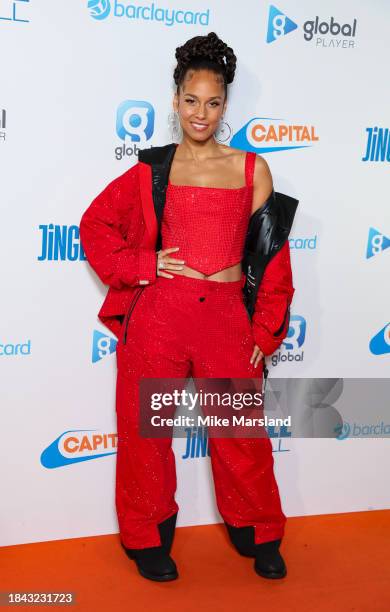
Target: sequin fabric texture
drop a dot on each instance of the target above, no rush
(184, 327)
(208, 224)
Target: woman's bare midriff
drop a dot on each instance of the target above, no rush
(233, 273)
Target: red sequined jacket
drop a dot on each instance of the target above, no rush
(118, 232)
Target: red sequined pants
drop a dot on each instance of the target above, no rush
(172, 333)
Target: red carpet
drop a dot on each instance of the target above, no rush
(338, 562)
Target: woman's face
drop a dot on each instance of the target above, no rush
(201, 104)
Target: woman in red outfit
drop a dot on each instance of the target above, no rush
(190, 317)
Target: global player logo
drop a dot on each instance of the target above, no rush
(99, 9)
(278, 24)
(293, 341)
(102, 345)
(377, 242)
(326, 32)
(380, 343)
(134, 125)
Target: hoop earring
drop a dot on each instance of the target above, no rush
(174, 126)
(223, 132)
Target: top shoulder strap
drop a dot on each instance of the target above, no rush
(250, 160)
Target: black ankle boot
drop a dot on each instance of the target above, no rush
(243, 539)
(269, 563)
(167, 532)
(155, 562)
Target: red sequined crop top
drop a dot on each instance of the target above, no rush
(208, 224)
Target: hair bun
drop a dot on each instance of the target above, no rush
(209, 47)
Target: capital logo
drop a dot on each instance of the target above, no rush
(99, 9)
(102, 345)
(380, 343)
(135, 121)
(78, 445)
(278, 24)
(296, 333)
(264, 135)
(377, 242)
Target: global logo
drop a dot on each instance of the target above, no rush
(296, 333)
(264, 135)
(279, 25)
(102, 346)
(134, 124)
(380, 343)
(99, 9)
(293, 341)
(77, 445)
(377, 242)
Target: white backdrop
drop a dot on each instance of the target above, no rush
(66, 70)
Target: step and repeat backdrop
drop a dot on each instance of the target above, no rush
(83, 86)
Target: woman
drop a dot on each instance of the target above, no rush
(176, 304)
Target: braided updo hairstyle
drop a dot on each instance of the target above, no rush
(205, 52)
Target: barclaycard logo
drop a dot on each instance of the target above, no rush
(264, 135)
(101, 9)
(377, 242)
(302, 244)
(368, 430)
(76, 445)
(10, 349)
(102, 345)
(380, 343)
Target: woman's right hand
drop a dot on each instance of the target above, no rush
(168, 263)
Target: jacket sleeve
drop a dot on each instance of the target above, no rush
(103, 231)
(271, 316)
